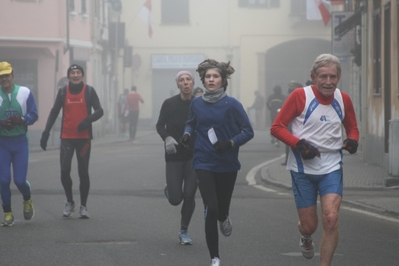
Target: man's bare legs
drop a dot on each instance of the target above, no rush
(308, 221)
(330, 204)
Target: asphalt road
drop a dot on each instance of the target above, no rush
(133, 224)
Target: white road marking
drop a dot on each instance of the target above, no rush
(250, 178)
(251, 174)
(372, 214)
(264, 188)
(299, 254)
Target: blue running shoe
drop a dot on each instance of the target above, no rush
(184, 239)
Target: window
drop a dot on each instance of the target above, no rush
(377, 47)
(71, 5)
(175, 12)
(259, 3)
(83, 5)
(298, 8)
(97, 10)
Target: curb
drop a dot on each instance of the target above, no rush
(350, 203)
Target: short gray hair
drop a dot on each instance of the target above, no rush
(326, 60)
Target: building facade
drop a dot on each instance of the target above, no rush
(376, 24)
(269, 42)
(41, 39)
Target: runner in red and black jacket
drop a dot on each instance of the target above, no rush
(77, 100)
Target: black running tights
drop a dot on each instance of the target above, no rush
(182, 185)
(83, 148)
(216, 190)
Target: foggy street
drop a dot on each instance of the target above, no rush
(132, 223)
(319, 75)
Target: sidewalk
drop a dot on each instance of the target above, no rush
(358, 176)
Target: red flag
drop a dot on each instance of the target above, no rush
(318, 10)
(325, 13)
(145, 14)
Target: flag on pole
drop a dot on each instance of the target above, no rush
(145, 15)
(318, 10)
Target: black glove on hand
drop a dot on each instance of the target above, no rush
(306, 150)
(350, 145)
(16, 120)
(6, 123)
(85, 124)
(185, 140)
(222, 146)
(44, 139)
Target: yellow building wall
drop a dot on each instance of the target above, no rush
(218, 29)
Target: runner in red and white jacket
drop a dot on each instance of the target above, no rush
(316, 114)
(324, 131)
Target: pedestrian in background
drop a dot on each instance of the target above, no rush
(123, 116)
(292, 85)
(181, 182)
(309, 82)
(221, 127)
(197, 92)
(77, 100)
(258, 106)
(315, 160)
(274, 103)
(132, 105)
(17, 112)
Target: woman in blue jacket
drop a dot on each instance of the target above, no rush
(221, 126)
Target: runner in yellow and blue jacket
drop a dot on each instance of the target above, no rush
(17, 111)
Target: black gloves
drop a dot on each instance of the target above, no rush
(85, 124)
(185, 140)
(16, 120)
(306, 150)
(7, 124)
(222, 146)
(350, 145)
(44, 139)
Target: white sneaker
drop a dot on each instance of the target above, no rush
(307, 247)
(215, 261)
(69, 209)
(226, 227)
(83, 214)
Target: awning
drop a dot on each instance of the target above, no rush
(349, 23)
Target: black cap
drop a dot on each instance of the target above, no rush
(75, 66)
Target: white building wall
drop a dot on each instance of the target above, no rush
(217, 29)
